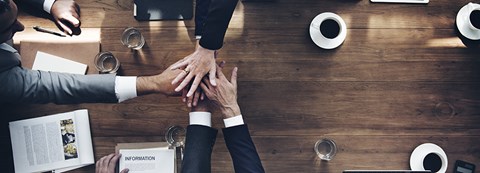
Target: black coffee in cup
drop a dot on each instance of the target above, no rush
(432, 162)
(475, 18)
(330, 28)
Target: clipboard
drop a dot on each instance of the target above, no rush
(148, 10)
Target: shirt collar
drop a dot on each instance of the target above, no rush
(5, 46)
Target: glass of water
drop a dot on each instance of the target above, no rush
(133, 38)
(175, 136)
(325, 149)
(105, 62)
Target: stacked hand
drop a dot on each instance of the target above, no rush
(224, 95)
(195, 66)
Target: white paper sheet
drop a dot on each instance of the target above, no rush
(47, 62)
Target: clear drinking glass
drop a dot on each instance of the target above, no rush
(133, 38)
(175, 136)
(325, 149)
(105, 62)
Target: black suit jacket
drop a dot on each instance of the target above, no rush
(211, 21)
(199, 144)
(38, 4)
(198, 149)
(242, 150)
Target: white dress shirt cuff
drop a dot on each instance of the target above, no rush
(233, 121)
(125, 87)
(201, 118)
(47, 5)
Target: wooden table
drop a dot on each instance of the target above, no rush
(376, 95)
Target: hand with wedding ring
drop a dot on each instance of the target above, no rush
(195, 67)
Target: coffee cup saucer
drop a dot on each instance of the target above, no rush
(462, 23)
(322, 41)
(416, 159)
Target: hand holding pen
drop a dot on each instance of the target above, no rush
(66, 14)
(39, 29)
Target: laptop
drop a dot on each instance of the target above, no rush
(147, 10)
(384, 171)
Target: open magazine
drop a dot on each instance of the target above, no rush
(59, 142)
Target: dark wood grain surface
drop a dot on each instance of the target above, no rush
(376, 95)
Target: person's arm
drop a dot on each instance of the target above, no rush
(242, 150)
(201, 13)
(239, 143)
(33, 86)
(202, 61)
(219, 14)
(199, 142)
(128, 87)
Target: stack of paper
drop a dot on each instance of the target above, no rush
(150, 157)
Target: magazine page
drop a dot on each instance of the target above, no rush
(152, 160)
(49, 142)
(83, 139)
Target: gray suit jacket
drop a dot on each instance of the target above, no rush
(19, 85)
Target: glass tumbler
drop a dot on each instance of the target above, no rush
(325, 149)
(133, 38)
(105, 62)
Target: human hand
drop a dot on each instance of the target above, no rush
(66, 14)
(195, 66)
(160, 83)
(107, 164)
(201, 106)
(198, 95)
(224, 95)
(193, 100)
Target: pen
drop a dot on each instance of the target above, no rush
(39, 29)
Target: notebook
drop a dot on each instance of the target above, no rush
(146, 10)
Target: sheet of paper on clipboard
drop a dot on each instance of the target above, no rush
(147, 10)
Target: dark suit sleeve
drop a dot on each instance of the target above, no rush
(244, 155)
(219, 15)
(198, 149)
(201, 12)
(38, 4)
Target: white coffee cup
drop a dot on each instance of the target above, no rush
(328, 30)
(471, 8)
(434, 162)
(429, 156)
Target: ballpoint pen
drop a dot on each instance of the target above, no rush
(39, 29)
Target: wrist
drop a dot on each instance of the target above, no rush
(230, 111)
(201, 48)
(151, 84)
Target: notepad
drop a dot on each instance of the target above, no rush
(47, 62)
(147, 157)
